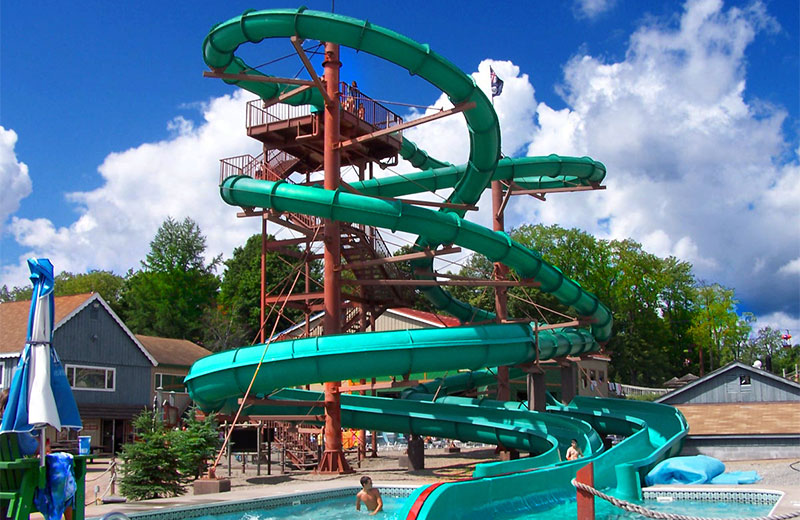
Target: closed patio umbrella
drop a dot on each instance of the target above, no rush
(40, 394)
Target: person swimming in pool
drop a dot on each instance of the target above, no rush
(370, 496)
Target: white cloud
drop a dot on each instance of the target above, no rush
(694, 166)
(593, 8)
(14, 177)
(140, 187)
(792, 267)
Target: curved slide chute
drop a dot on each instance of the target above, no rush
(218, 381)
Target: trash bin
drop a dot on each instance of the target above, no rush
(84, 445)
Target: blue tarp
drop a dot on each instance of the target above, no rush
(699, 469)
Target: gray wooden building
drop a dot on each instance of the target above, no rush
(105, 364)
(112, 373)
(740, 412)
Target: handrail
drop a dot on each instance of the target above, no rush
(232, 166)
(355, 101)
(258, 115)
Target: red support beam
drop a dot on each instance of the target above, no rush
(332, 460)
(294, 297)
(585, 499)
(500, 292)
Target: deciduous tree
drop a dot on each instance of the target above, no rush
(175, 287)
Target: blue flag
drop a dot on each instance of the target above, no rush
(497, 83)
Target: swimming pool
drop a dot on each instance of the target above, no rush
(331, 509)
(335, 504)
(339, 503)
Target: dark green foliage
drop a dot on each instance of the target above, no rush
(652, 299)
(151, 467)
(175, 287)
(106, 283)
(196, 444)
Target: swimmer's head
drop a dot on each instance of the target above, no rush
(366, 482)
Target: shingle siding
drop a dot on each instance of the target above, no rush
(93, 338)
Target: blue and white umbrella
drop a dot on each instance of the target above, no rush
(40, 394)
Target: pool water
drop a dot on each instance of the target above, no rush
(331, 509)
(344, 509)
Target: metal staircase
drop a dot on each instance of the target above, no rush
(361, 244)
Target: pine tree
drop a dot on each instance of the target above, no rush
(196, 444)
(151, 464)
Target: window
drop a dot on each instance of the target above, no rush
(3, 375)
(592, 375)
(744, 380)
(91, 378)
(170, 382)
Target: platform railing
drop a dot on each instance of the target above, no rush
(258, 115)
(366, 108)
(352, 100)
(236, 165)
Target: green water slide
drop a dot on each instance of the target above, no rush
(218, 381)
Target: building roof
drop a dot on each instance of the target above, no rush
(667, 398)
(14, 319)
(435, 320)
(778, 418)
(16, 326)
(169, 351)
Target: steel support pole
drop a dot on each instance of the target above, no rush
(332, 460)
(500, 293)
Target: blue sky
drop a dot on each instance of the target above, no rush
(108, 125)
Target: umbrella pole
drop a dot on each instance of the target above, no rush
(42, 453)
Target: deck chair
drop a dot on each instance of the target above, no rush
(20, 476)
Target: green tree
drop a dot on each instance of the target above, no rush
(196, 444)
(175, 287)
(15, 294)
(106, 283)
(768, 343)
(151, 465)
(716, 327)
(677, 308)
